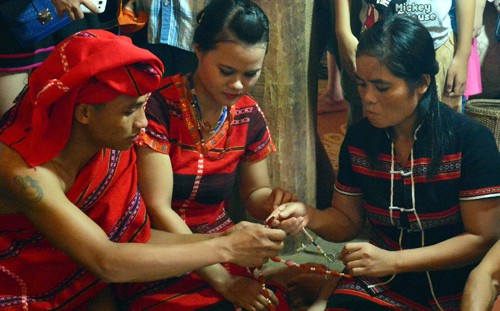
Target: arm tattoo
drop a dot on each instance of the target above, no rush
(29, 188)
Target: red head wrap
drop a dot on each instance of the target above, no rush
(91, 67)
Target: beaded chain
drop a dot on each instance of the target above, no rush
(319, 270)
(264, 290)
(305, 267)
(329, 257)
(309, 268)
(22, 285)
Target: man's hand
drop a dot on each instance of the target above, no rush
(251, 245)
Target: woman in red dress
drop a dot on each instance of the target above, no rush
(205, 136)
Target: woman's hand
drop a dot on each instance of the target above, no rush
(290, 217)
(457, 77)
(245, 293)
(280, 196)
(366, 259)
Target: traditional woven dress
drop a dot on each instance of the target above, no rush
(32, 269)
(470, 170)
(202, 185)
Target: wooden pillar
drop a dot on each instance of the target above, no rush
(287, 93)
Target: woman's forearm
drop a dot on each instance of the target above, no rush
(455, 252)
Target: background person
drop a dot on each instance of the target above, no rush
(17, 62)
(169, 33)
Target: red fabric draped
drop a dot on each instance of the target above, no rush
(105, 190)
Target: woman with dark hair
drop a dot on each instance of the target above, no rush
(426, 178)
(203, 131)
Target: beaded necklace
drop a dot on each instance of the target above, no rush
(204, 148)
(188, 99)
(205, 125)
(200, 124)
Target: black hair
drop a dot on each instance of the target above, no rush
(231, 20)
(405, 47)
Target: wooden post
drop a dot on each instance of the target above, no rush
(287, 93)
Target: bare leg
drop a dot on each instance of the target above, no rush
(11, 84)
(332, 99)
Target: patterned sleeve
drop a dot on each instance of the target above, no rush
(156, 134)
(346, 182)
(259, 142)
(480, 177)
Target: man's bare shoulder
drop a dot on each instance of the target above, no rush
(20, 184)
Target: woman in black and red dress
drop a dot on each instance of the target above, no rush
(426, 178)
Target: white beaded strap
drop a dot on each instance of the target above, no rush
(20, 282)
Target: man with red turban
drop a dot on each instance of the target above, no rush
(71, 217)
